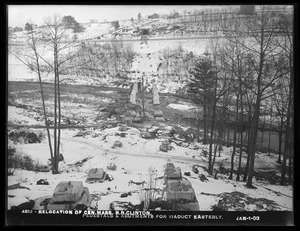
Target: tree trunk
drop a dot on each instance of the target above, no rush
(255, 120)
(55, 164)
(286, 149)
(253, 143)
(221, 129)
(270, 129)
(269, 145)
(287, 139)
(215, 153)
(54, 171)
(241, 140)
(291, 145)
(204, 124)
(143, 97)
(228, 135)
(43, 99)
(290, 163)
(248, 149)
(262, 133)
(211, 137)
(280, 140)
(59, 118)
(234, 139)
(198, 127)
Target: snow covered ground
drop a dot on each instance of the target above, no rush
(133, 160)
(146, 61)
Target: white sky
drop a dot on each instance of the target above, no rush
(19, 15)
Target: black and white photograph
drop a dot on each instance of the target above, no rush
(152, 114)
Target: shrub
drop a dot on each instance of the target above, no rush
(27, 163)
(19, 160)
(41, 135)
(25, 136)
(148, 193)
(14, 161)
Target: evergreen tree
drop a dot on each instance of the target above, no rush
(201, 88)
(70, 22)
(28, 26)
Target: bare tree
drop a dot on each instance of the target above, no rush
(222, 84)
(63, 49)
(280, 100)
(33, 61)
(285, 42)
(261, 32)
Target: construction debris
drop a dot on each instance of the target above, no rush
(136, 183)
(203, 178)
(125, 194)
(117, 144)
(123, 127)
(42, 182)
(149, 135)
(111, 166)
(137, 119)
(165, 146)
(80, 134)
(187, 173)
(96, 175)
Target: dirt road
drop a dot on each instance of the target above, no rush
(145, 153)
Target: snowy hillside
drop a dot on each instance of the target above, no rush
(148, 55)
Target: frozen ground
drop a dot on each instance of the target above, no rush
(133, 161)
